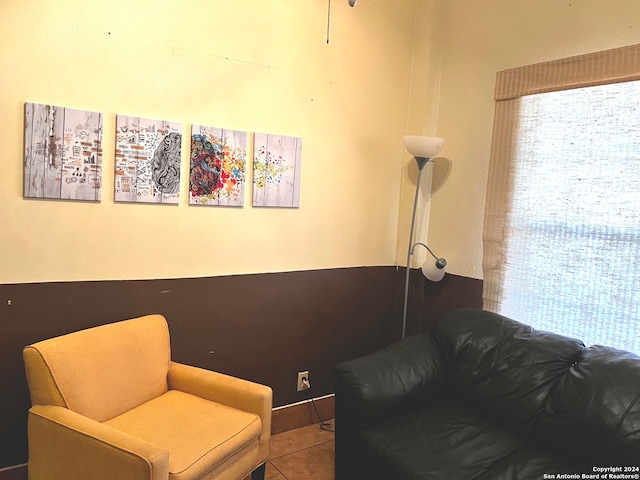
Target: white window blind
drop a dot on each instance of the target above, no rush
(571, 253)
(562, 215)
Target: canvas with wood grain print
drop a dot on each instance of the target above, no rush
(62, 153)
(276, 171)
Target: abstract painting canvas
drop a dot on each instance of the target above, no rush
(217, 166)
(276, 171)
(147, 160)
(62, 153)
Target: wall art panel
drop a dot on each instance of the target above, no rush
(147, 160)
(217, 166)
(62, 153)
(276, 171)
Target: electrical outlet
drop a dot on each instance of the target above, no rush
(302, 375)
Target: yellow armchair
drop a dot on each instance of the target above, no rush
(108, 403)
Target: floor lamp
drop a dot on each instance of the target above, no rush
(423, 149)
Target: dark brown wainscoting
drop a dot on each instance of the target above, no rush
(451, 293)
(428, 301)
(262, 327)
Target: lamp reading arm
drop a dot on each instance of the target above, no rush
(440, 262)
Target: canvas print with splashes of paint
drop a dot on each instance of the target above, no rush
(62, 153)
(147, 160)
(276, 171)
(217, 166)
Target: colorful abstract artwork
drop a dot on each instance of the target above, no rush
(217, 166)
(276, 171)
(62, 153)
(147, 160)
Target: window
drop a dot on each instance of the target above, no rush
(562, 225)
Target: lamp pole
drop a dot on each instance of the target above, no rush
(421, 161)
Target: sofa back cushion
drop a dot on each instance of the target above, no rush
(594, 408)
(582, 402)
(504, 368)
(101, 372)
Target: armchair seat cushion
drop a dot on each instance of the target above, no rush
(196, 432)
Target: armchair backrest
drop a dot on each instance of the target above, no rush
(101, 372)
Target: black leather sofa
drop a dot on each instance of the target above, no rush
(485, 397)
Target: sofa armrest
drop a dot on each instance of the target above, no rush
(65, 444)
(389, 380)
(227, 390)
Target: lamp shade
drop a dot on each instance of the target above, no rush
(423, 147)
(433, 270)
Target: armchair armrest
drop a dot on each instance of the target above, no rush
(386, 381)
(71, 446)
(227, 390)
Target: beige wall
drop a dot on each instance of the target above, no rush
(480, 39)
(265, 66)
(254, 65)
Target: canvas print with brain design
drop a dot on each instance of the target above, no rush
(217, 166)
(147, 160)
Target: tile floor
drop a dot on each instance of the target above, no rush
(306, 453)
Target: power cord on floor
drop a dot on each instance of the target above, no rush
(324, 425)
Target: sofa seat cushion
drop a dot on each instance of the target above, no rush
(447, 440)
(197, 433)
